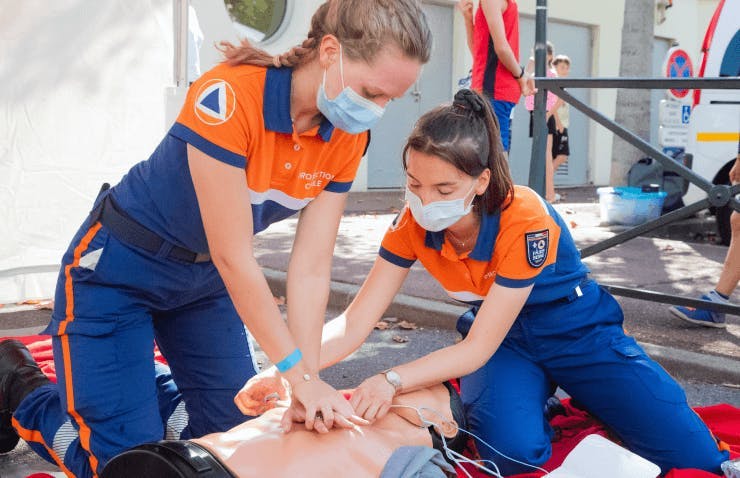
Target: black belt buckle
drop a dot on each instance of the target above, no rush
(186, 255)
(202, 257)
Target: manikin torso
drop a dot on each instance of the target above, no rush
(259, 448)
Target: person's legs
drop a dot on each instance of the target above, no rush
(504, 403)
(613, 378)
(549, 170)
(207, 348)
(503, 111)
(560, 148)
(730, 276)
(559, 161)
(105, 399)
(726, 285)
(549, 173)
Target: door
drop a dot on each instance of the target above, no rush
(385, 169)
(576, 42)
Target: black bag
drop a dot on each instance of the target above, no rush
(648, 171)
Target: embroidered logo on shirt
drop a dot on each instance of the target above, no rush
(215, 102)
(400, 219)
(537, 245)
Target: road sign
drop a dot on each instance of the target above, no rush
(673, 136)
(678, 65)
(673, 113)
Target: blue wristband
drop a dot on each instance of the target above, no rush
(288, 362)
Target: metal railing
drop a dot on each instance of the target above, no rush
(717, 195)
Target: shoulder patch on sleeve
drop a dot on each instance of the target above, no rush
(215, 102)
(538, 243)
(400, 219)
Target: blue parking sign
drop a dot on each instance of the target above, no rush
(685, 114)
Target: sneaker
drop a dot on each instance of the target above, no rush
(731, 468)
(703, 317)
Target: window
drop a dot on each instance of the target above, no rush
(256, 20)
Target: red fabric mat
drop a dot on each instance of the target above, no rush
(576, 424)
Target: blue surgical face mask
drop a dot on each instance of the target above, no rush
(438, 215)
(349, 111)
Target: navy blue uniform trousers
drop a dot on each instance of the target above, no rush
(112, 302)
(580, 345)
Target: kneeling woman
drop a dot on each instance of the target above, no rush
(538, 319)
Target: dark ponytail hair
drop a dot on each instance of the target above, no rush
(466, 135)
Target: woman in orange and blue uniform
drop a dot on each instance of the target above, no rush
(537, 319)
(167, 254)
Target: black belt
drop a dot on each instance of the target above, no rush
(575, 293)
(131, 232)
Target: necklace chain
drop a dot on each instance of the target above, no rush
(461, 243)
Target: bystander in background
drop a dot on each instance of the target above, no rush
(728, 278)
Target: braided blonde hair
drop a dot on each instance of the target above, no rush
(363, 27)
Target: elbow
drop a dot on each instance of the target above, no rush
(233, 263)
(501, 49)
(478, 355)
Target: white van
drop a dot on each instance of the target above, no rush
(714, 127)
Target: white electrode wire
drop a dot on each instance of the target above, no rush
(480, 440)
(460, 457)
(505, 456)
(457, 458)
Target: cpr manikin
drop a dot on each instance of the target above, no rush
(259, 447)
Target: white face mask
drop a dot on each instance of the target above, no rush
(349, 111)
(438, 215)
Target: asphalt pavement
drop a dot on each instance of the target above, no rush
(679, 259)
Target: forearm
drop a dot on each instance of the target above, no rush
(469, 35)
(344, 334)
(339, 340)
(507, 58)
(489, 329)
(254, 303)
(444, 364)
(308, 295)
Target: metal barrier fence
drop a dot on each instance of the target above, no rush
(717, 195)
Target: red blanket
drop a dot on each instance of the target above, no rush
(573, 426)
(576, 424)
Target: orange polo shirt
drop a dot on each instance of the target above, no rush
(239, 115)
(526, 243)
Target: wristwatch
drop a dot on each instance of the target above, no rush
(392, 377)
(520, 74)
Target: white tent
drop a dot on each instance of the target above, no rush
(82, 100)
(89, 89)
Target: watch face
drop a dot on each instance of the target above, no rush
(393, 378)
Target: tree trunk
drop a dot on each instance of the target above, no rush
(633, 106)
